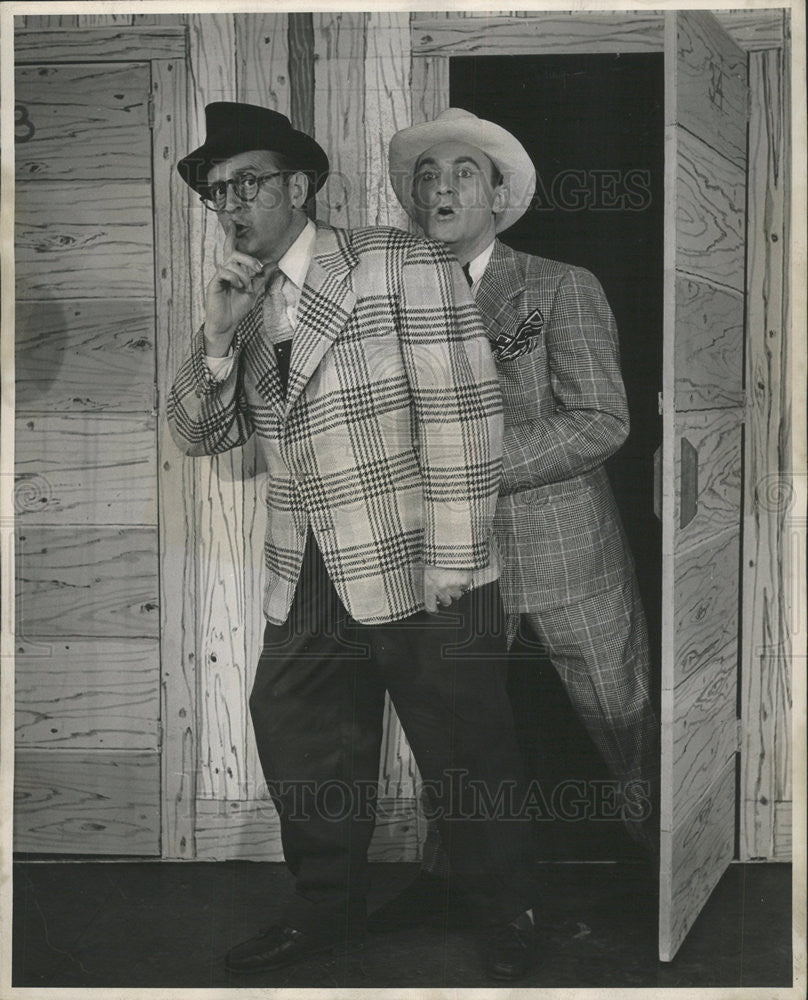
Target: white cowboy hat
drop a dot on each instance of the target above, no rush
(456, 124)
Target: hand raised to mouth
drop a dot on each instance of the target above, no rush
(231, 293)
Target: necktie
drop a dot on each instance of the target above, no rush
(277, 325)
(467, 272)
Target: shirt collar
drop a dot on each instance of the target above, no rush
(295, 262)
(480, 263)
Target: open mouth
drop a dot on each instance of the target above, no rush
(445, 212)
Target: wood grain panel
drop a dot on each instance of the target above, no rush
(691, 865)
(157, 20)
(711, 90)
(95, 354)
(705, 736)
(250, 830)
(783, 835)
(211, 39)
(262, 60)
(753, 29)
(39, 21)
(93, 469)
(339, 104)
(768, 489)
(87, 239)
(176, 493)
(86, 582)
(430, 87)
(387, 109)
(709, 346)
(87, 802)
(227, 607)
(711, 210)
(581, 31)
(101, 20)
(540, 34)
(716, 436)
(87, 694)
(86, 122)
(247, 830)
(301, 69)
(61, 44)
(706, 608)
(398, 772)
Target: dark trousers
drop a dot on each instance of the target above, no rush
(317, 709)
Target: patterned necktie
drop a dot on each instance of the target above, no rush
(277, 325)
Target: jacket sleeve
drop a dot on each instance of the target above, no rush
(591, 418)
(458, 408)
(206, 416)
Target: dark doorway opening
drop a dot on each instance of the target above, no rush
(594, 127)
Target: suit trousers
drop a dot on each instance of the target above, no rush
(317, 708)
(599, 648)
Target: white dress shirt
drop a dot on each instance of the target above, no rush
(295, 266)
(478, 265)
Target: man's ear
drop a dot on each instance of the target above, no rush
(298, 188)
(499, 202)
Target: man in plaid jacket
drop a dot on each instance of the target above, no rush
(568, 576)
(358, 360)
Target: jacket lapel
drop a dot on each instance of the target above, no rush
(502, 282)
(326, 303)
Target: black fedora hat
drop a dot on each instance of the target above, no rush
(234, 128)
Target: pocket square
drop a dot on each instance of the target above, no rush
(508, 346)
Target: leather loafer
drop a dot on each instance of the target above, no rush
(279, 946)
(509, 950)
(428, 900)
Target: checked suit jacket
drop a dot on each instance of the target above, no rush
(387, 443)
(555, 340)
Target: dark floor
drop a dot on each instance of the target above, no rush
(167, 925)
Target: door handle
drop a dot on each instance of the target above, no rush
(689, 497)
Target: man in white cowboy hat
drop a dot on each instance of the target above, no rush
(568, 579)
(358, 360)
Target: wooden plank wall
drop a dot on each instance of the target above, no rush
(87, 659)
(766, 792)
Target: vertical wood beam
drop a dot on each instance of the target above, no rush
(387, 109)
(339, 113)
(766, 640)
(175, 472)
(301, 79)
(262, 61)
(228, 544)
(301, 71)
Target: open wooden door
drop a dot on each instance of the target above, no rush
(705, 150)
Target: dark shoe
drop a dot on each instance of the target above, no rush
(428, 900)
(509, 950)
(280, 946)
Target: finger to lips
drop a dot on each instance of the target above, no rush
(229, 237)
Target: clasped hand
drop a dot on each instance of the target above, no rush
(443, 586)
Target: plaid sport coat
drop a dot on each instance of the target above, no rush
(558, 361)
(387, 443)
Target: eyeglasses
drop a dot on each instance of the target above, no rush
(245, 185)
